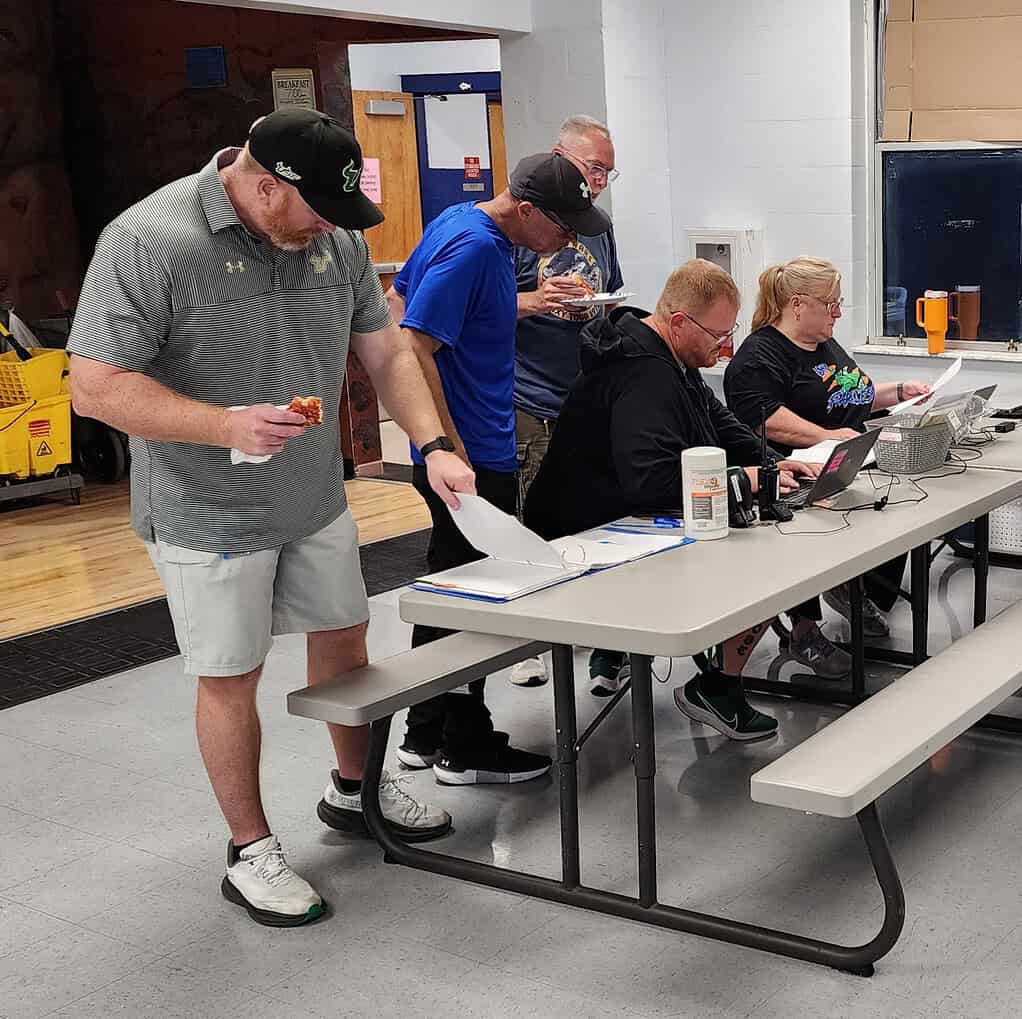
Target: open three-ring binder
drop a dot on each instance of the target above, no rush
(520, 562)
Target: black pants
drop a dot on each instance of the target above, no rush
(455, 721)
(881, 586)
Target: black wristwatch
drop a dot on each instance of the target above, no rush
(440, 442)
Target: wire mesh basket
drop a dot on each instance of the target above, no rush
(909, 448)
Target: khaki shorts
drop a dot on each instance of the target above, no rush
(227, 608)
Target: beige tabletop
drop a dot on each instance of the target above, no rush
(1004, 453)
(679, 603)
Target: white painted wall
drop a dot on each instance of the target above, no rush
(635, 59)
(377, 67)
(467, 15)
(766, 128)
(556, 71)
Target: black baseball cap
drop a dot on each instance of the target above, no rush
(313, 153)
(554, 184)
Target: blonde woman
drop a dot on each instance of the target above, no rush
(793, 372)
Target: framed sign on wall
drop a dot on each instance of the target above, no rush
(293, 87)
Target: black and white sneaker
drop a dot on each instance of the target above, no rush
(409, 819)
(729, 713)
(421, 747)
(416, 759)
(874, 622)
(259, 880)
(608, 671)
(497, 763)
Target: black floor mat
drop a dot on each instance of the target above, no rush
(68, 656)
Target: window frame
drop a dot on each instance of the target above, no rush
(1009, 350)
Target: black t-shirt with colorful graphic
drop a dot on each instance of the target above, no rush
(824, 386)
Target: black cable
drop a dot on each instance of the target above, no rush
(961, 465)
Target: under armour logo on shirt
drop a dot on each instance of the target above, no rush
(238, 266)
(585, 189)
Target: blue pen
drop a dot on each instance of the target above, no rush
(666, 522)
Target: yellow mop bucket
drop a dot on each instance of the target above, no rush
(38, 378)
(35, 437)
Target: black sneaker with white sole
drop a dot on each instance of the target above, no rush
(608, 672)
(421, 747)
(497, 763)
(727, 712)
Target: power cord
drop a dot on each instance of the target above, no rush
(881, 503)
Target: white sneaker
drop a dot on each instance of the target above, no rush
(531, 672)
(261, 882)
(410, 820)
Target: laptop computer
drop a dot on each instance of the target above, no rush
(840, 470)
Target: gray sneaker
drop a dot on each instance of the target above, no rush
(817, 653)
(874, 622)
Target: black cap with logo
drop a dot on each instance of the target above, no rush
(554, 184)
(322, 160)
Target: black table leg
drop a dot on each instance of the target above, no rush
(855, 594)
(856, 959)
(645, 771)
(567, 756)
(920, 602)
(981, 569)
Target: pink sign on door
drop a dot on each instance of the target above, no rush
(372, 187)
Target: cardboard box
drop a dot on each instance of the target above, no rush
(936, 10)
(966, 64)
(898, 44)
(964, 125)
(900, 10)
(898, 98)
(897, 126)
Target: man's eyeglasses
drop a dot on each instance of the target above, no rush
(719, 337)
(831, 306)
(595, 170)
(558, 222)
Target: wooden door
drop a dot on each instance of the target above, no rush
(498, 147)
(391, 140)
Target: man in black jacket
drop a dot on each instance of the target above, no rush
(640, 402)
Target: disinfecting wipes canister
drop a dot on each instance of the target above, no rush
(704, 483)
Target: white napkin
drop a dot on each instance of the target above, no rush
(237, 457)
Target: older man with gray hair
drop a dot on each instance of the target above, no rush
(548, 342)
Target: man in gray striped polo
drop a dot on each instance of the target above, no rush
(207, 307)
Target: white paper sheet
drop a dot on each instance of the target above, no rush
(456, 127)
(952, 371)
(820, 453)
(498, 534)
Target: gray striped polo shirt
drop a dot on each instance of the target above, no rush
(178, 289)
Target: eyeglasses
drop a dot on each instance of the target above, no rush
(719, 337)
(595, 170)
(558, 222)
(829, 305)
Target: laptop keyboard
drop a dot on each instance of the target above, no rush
(797, 500)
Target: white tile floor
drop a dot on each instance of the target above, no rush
(111, 853)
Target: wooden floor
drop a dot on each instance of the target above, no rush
(60, 562)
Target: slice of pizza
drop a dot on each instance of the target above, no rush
(581, 281)
(310, 407)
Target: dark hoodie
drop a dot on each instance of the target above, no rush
(617, 446)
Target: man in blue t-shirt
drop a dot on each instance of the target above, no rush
(549, 331)
(457, 298)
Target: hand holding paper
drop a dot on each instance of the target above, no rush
(948, 375)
